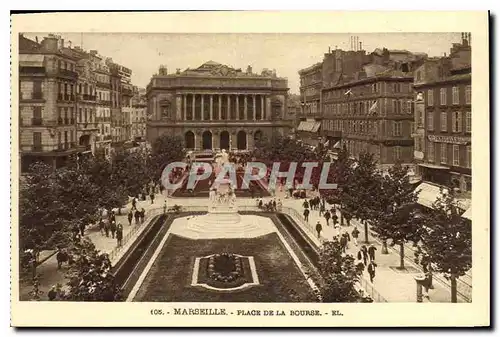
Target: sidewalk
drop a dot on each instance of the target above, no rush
(392, 284)
(48, 273)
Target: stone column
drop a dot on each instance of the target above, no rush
(194, 116)
(254, 108)
(202, 109)
(220, 106)
(211, 109)
(250, 141)
(245, 106)
(237, 106)
(263, 111)
(184, 107)
(228, 107)
(268, 107)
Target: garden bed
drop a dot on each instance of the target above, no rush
(213, 278)
(280, 280)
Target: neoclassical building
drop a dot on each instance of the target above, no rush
(218, 107)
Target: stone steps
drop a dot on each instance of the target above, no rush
(197, 227)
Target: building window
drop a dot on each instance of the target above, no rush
(455, 96)
(444, 121)
(430, 152)
(468, 121)
(444, 154)
(397, 153)
(468, 94)
(397, 128)
(442, 96)
(430, 97)
(468, 156)
(430, 121)
(456, 155)
(457, 121)
(419, 76)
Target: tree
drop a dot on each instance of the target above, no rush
(447, 239)
(364, 190)
(396, 217)
(339, 274)
(90, 277)
(341, 174)
(165, 150)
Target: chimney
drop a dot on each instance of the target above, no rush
(50, 43)
(360, 46)
(357, 43)
(335, 47)
(36, 38)
(249, 69)
(61, 43)
(469, 40)
(329, 50)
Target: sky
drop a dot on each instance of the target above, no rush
(287, 53)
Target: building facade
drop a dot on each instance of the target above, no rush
(218, 107)
(47, 102)
(311, 83)
(103, 115)
(374, 115)
(138, 115)
(443, 119)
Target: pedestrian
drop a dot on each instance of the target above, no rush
(112, 228)
(319, 228)
(112, 216)
(152, 196)
(348, 239)
(343, 243)
(371, 270)
(119, 234)
(101, 227)
(322, 210)
(130, 216)
(82, 229)
(371, 252)
(142, 215)
(106, 228)
(260, 203)
(134, 203)
(335, 218)
(52, 294)
(274, 204)
(364, 251)
(327, 216)
(306, 215)
(305, 204)
(280, 205)
(137, 216)
(355, 235)
(165, 207)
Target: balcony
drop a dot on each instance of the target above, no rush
(37, 121)
(104, 84)
(66, 97)
(86, 97)
(103, 102)
(103, 119)
(31, 71)
(67, 74)
(35, 96)
(49, 148)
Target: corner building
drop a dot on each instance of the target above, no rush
(218, 107)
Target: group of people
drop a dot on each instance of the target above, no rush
(271, 206)
(366, 257)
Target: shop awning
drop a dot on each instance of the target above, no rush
(427, 194)
(432, 166)
(309, 126)
(468, 214)
(30, 60)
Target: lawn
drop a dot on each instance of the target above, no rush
(169, 279)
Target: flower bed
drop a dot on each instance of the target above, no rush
(224, 271)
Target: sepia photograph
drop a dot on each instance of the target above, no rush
(243, 175)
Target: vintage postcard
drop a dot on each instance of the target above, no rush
(271, 169)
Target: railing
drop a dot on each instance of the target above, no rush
(86, 97)
(68, 73)
(37, 121)
(47, 147)
(370, 290)
(149, 216)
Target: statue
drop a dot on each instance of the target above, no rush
(420, 97)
